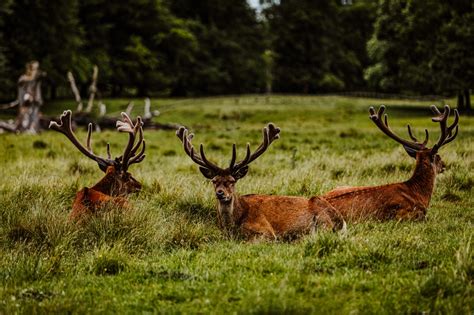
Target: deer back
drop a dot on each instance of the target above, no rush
(405, 200)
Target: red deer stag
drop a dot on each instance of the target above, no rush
(254, 216)
(117, 182)
(408, 200)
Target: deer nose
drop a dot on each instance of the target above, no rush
(219, 193)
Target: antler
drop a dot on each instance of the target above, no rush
(186, 138)
(383, 125)
(65, 127)
(270, 134)
(130, 155)
(446, 135)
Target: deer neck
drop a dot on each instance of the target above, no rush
(423, 179)
(107, 185)
(230, 213)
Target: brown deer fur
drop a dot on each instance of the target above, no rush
(408, 200)
(254, 216)
(110, 190)
(117, 182)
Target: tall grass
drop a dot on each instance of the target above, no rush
(166, 254)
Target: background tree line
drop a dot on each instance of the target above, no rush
(188, 48)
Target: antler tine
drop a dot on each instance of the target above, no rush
(185, 137)
(234, 156)
(442, 120)
(138, 128)
(415, 139)
(411, 135)
(89, 133)
(182, 134)
(455, 122)
(208, 163)
(435, 110)
(137, 158)
(129, 155)
(451, 137)
(441, 116)
(383, 126)
(270, 134)
(273, 132)
(65, 127)
(127, 126)
(446, 135)
(195, 158)
(427, 136)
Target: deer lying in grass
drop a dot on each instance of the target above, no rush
(408, 200)
(259, 215)
(117, 182)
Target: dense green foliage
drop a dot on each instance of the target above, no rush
(319, 45)
(167, 255)
(423, 46)
(36, 31)
(230, 48)
(144, 47)
(4, 80)
(184, 47)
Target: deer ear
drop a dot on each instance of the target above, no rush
(103, 166)
(411, 152)
(241, 172)
(207, 173)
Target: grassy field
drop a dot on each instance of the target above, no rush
(167, 255)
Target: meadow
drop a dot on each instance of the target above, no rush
(167, 255)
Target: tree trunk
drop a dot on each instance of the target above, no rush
(30, 100)
(53, 92)
(28, 119)
(467, 100)
(142, 91)
(461, 106)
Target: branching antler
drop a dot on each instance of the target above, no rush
(446, 135)
(130, 155)
(383, 125)
(65, 127)
(270, 134)
(202, 161)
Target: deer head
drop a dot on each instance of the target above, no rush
(415, 148)
(224, 179)
(117, 181)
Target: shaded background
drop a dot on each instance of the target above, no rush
(193, 48)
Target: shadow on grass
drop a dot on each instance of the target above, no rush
(195, 210)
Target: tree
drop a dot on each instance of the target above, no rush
(49, 31)
(313, 49)
(5, 82)
(453, 61)
(139, 45)
(230, 46)
(423, 47)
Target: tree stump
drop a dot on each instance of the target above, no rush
(30, 99)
